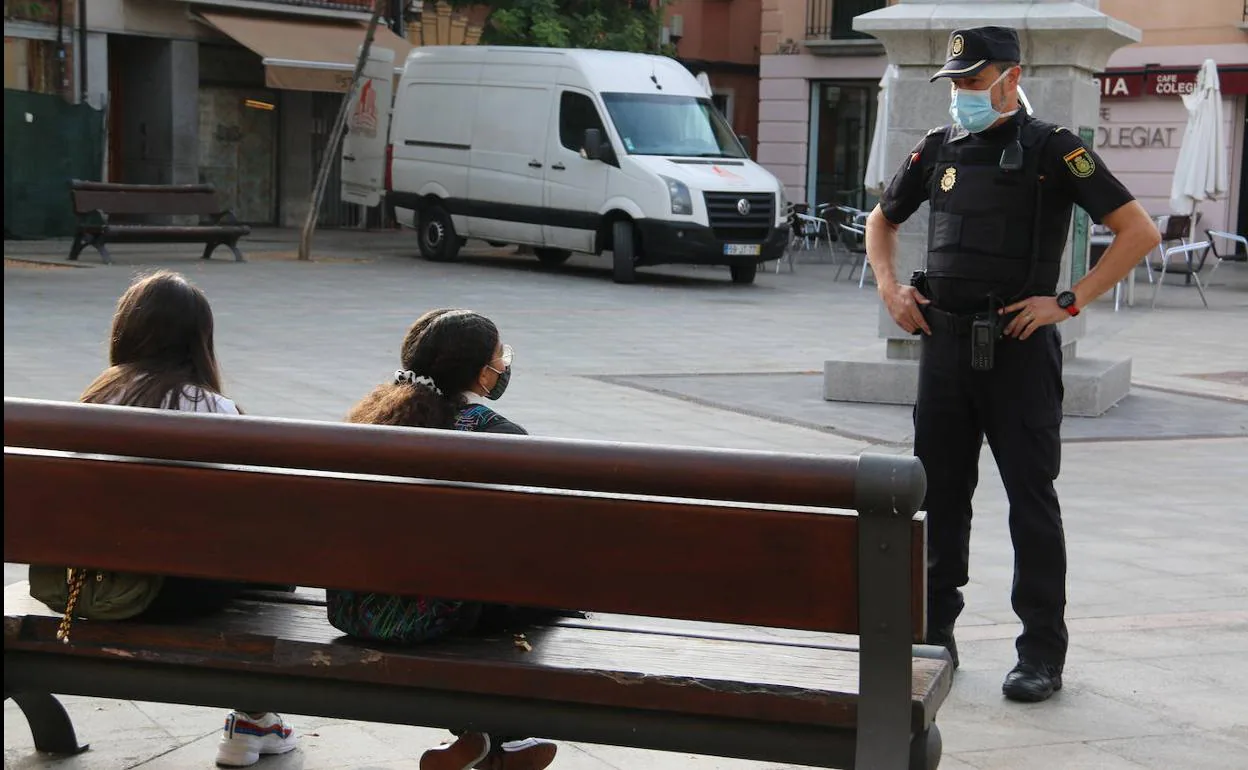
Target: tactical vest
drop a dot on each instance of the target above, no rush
(989, 224)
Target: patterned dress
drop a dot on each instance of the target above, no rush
(414, 619)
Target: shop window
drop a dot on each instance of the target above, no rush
(32, 65)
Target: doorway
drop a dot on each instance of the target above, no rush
(842, 122)
(238, 150)
(1242, 215)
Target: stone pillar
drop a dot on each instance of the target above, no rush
(182, 77)
(1064, 43)
(295, 165)
(159, 104)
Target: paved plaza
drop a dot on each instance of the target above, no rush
(1154, 493)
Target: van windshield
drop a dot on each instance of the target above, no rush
(658, 124)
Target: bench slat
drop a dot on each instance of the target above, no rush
(668, 672)
(155, 202)
(167, 233)
(594, 466)
(780, 568)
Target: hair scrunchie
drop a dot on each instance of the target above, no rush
(410, 377)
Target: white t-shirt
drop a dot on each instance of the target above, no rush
(197, 399)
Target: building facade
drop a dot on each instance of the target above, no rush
(721, 38)
(819, 84)
(241, 94)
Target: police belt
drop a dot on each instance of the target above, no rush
(941, 322)
(959, 324)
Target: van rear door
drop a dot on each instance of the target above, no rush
(368, 129)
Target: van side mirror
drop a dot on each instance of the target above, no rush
(595, 148)
(745, 142)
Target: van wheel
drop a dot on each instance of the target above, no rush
(552, 257)
(438, 240)
(744, 272)
(623, 252)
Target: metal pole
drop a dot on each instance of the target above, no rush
(82, 51)
(335, 137)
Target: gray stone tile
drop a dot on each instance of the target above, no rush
(1067, 756)
(1194, 749)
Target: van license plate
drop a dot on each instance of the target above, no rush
(742, 250)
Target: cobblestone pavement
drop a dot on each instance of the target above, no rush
(1155, 511)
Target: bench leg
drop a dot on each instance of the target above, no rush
(925, 749)
(49, 724)
(80, 243)
(210, 247)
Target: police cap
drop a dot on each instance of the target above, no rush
(970, 50)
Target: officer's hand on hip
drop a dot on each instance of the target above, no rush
(903, 305)
(1033, 313)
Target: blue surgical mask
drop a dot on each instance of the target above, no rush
(973, 110)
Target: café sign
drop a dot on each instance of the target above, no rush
(1167, 82)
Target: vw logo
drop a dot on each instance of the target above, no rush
(743, 207)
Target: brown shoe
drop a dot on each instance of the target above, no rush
(462, 754)
(528, 754)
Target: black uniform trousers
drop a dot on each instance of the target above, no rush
(1017, 405)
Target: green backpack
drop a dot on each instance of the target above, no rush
(92, 594)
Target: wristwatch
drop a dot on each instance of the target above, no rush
(1066, 301)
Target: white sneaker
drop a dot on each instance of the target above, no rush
(246, 738)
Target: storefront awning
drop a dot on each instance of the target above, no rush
(302, 54)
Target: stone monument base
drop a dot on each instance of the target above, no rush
(1092, 385)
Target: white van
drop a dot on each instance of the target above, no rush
(576, 151)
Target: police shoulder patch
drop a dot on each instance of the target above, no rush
(1080, 163)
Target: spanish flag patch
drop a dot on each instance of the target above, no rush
(1080, 163)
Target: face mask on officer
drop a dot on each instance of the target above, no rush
(973, 110)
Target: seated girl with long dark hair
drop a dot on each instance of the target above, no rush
(451, 360)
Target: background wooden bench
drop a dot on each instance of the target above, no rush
(96, 203)
(757, 539)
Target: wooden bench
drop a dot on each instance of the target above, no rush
(96, 203)
(724, 537)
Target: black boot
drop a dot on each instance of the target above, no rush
(1032, 682)
(944, 638)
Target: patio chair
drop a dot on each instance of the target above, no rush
(808, 231)
(1238, 243)
(1190, 269)
(855, 240)
(1176, 229)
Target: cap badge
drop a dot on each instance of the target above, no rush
(956, 46)
(949, 179)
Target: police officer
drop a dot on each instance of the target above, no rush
(1001, 186)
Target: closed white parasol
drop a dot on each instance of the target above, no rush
(1201, 173)
(878, 170)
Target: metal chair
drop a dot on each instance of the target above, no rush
(807, 232)
(855, 237)
(1240, 253)
(1192, 271)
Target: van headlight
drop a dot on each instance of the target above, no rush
(782, 210)
(682, 202)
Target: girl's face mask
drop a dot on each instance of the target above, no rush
(973, 110)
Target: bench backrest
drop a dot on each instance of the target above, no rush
(729, 536)
(140, 199)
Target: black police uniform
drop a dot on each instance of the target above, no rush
(988, 238)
